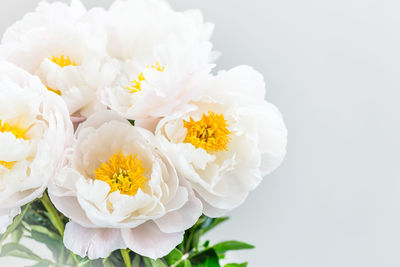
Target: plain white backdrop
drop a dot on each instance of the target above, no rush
(333, 69)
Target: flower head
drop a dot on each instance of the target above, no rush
(225, 142)
(34, 131)
(119, 186)
(158, 56)
(65, 46)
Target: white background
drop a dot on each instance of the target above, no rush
(333, 69)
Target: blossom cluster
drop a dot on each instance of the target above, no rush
(118, 114)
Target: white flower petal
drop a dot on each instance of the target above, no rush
(181, 219)
(70, 207)
(147, 240)
(94, 243)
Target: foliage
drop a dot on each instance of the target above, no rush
(41, 222)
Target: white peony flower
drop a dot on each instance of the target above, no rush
(34, 132)
(159, 56)
(66, 47)
(120, 190)
(226, 142)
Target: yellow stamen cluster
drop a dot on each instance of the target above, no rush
(63, 61)
(137, 84)
(210, 132)
(18, 132)
(6, 164)
(123, 173)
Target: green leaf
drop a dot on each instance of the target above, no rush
(45, 231)
(86, 263)
(43, 263)
(19, 251)
(244, 264)
(17, 234)
(211, 223)
(153, 263)
(212, 262)
(15, 223)
(206, 258)
(136, 261)
(116, 258)
(96, 263)
(132, 122)
(56, 246)
(185, 263)
(174, 256)
(107, 262)
(223, 247)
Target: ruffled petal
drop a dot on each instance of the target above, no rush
(94, 243)
(182, 219)
(147, 240)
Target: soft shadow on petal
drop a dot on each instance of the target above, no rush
(147, 240)
(94, 243)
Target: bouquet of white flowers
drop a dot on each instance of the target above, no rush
(118, 145)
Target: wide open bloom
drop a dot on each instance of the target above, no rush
(120, 190)
(159, 55)
(226, 142)
(66, 47)
(34, 131)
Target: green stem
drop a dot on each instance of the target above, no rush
(53, 214)
(125, 256)
(188, 242)
(55, 219)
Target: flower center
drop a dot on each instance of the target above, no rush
(63, 61)
(122, 173)
(137, 84)
(18, 132)
(210, 132)
(7, 164)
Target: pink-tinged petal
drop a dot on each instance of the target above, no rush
(147, 240)
(76, 120)
(182, 219)
(94, 243)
